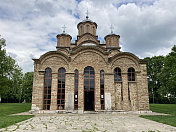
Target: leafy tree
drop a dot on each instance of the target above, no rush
(168, 77)
(27, 86)
(10, 75)
(161, 73)
(154, 66)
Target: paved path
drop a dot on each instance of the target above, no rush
(89, 123)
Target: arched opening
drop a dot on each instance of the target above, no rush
(81, 30)
(61, 89)
(131, 74)
(87, 30)
(89, 86)
(47, 89)
(117, 75)
(118, 78)
(131, 77)
(94, 31)
(76, 90)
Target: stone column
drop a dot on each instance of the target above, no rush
(125, 103)
(118, 97)
(143, 89)
(37, 93)
(81, 93)
(133, 95)
(109, 91)
(54, 88)
(97, 92)
(69, 92)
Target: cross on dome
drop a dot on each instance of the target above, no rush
(87, 14)
(64, 27)
(111, 27)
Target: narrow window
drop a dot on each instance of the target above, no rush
(87, 28)
(58, 41)
(76, 90)
(131, 74)
(102, 90)
(61, 89)
(63, 41)
(81, 30)
(47, 89)
(94, 30)
(117, 75)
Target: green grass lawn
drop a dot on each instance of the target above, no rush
(163, 108)
(6, 109)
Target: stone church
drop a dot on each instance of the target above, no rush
(89, 76)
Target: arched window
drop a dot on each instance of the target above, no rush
(89, 85)
(89, 78)
(47, 89)
(102, 89)
(94, 31)
(131, 74)
(58, 41)
(117, 75)
(61, 89)
(82, 31)
(109, 42)
(87, 26)
(63, 41)
(76, 90)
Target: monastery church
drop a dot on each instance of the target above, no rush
(89, 76)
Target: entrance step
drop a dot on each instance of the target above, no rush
(90, 112)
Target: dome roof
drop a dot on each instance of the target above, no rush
(88, 44)
(87, 20)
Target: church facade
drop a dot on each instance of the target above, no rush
(89, 76)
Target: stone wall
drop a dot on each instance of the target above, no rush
(99, 61)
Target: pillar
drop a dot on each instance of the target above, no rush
(126, 101)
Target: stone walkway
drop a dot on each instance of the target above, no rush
(89, 123)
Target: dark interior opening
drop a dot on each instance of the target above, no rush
(89, 100)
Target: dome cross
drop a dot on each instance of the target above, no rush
(111, 27)
(64, 27)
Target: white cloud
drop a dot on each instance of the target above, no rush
(146, 27)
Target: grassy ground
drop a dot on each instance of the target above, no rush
(6, 109)
(163, 108)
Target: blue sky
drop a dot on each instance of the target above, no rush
(146, 27)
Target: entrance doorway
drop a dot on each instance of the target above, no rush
(89, 86)
(88, 100)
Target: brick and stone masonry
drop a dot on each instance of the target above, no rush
(121, 95)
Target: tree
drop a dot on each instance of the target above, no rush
(168, 77)
(27, 86)
(154, 66)
(10, 75)
(161, 73)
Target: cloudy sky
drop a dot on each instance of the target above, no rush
(147, 27)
